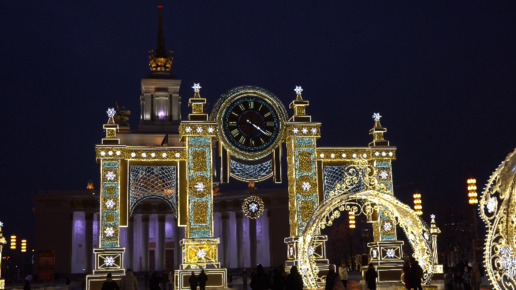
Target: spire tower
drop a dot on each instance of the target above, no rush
(160, 60)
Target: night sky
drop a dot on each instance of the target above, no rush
(441, 73)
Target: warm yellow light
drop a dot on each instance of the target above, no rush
(24, 246)
(417, 204)
(351, 219)
(13, 242)
(472, 191)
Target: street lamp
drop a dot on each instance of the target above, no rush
(13, 242)
(472, 191)
(417, 204)
(473, 200)
(351, 219)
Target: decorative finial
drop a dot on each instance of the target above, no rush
(196, 87)
(298, 91)
(1, 224)
(376, 116)
(432, 216)
(111, 112)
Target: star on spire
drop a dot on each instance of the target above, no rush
(432, 216)
(298, 91)
(111, 112)
(376, 116)
(197, 87)
(1, 224)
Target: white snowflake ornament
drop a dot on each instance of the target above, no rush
(110, 203)
(199, 186)
(304, 130)
(295, 130)
(376, 116)
(305, 186)
(201, 254)
(109, 261)
(199, 130)
(313, 130)
(211, 130)
(111, 112)
(383, 174)
(390, 253)
(253, 207)
(196, 87)
(109, 232)
(387, 226)
(110, 175)
(298, 90)
(491, 205)
(188, 129)
(1, 224)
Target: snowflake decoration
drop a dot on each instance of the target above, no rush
(133, 154)
(110, 153)
(211, 129)
(354, 155)
(109, 232)
(387, 226)
(408, 221)
(491, 205)
(508, 261)
(199, 186)
(102, 153)
(199, 129)
(295, 130)
(111, 112)
(311, 250)
(304, 130)
(196, 87)
(313, 130)
(177, 155)
(343, 155)
(298, 90)
(1, 224)
(118, 153)
(110, 175)
(188, 129)
(432, 216)
(201, 253)
(364, 155)
(321, 155)
(305, 186)
(109, 261)
(390, 153)
(384, 154)
(332, 155)
(377, 153)
(426, 236)
(384, 174)
(412, 237)
(153, 154)
(390, 253)
(376, 116)
(144, 155)
(164, 155)
(253, 207)
(110, 203)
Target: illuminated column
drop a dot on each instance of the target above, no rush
(434, 231)
(89, 241)
(225, 238)
(145, 243)
(177, 248)
(129, 252)
(161, 242)
(239, 238)
(252, 242)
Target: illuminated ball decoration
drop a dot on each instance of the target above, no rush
(417, 204)
(253, 207)
(472, 191)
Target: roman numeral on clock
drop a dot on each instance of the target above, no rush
(270, 124)
(267, 114)
(235, 132)
(252, 142)
(234, 114)
(242, 107)
(251, 105)
(232, 123)
(242, 140)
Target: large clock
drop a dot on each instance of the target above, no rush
(251, 122)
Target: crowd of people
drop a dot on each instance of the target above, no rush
(276, 279)
(463, 277)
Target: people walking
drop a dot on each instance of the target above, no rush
(278, 281)
(457, 278)
(294, 280)
(164, 280)
(337, 283)
(27, 285)
(202, 278)
(466, 279)
(260, 281)
(109, 284)
(154, 282)
(330, 278)
(370, 277)
(129, 282)
(415, 274)
(406, 269)
(146, 279)
(170, 280)
(244, 277)
(475, 276)
(343, 273)
(193, 281)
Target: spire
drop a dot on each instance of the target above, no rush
(160, 60)
(377, 131)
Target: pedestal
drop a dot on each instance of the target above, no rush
(318, 250)
(107, 260)
(387, 256)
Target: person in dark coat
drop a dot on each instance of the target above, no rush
(244, 277)
(202, 278)
(230, 277)
(109, 284)
(260, 280)
(146, 279)
(294, 280)
(154, 282)
(27, 285)
(193, 281)
(164, 280)
(370, 277)
(330, 279)
(457, 278)
(415, 274)
(278, 281)
(406, 269)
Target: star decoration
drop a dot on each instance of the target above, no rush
(491, 204)
(311, 250)
(144, 155)
(102, 153)
(199, 186)
(1, 224)
(196, 87)
(390, 253)
(133, 154)
(188, 129)
(109, 232)
(110, 153)
(298, 90)
(387, 226)
(111, 112)
(253, 207)
(376, 116)
(200, 253)
(199, 129)
(110, 203)
(332, 155)
(383, 174)
(177, 155)
(313, 130)
(426, 236)
(432, 216)
(374, 253)
(305, 186)
(110, 175)
(109, 261)
(304, 130)
(295, 130)
(153, 154)
(211, 129)
(118, 153)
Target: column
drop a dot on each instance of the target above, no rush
(225, 239)
(177, 247)
(239, 238)
(88, 217)
(161, 242)
(252, 241)
(145, 243)
(130, 244)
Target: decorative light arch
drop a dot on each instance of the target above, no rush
(365, 202)
(498, 210)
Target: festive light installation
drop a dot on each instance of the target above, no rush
(497, 210)
(417, 204)
(472, 191)
(13, 242)
(23, 246)
(351, 219)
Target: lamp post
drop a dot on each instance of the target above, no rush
(473, 200)
(417, 204)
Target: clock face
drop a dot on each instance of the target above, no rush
(251, 124)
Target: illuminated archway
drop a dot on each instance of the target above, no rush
(498, 210)
(365, 202)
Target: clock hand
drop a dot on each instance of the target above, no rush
(258, 128)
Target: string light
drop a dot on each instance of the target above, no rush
(472, 191)
(417, 204)
(351, 219)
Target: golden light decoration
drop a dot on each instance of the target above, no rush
(417, 204)
(351, 219)
(13, 242)
(253, 207)
(472, 191)
(23, 246)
